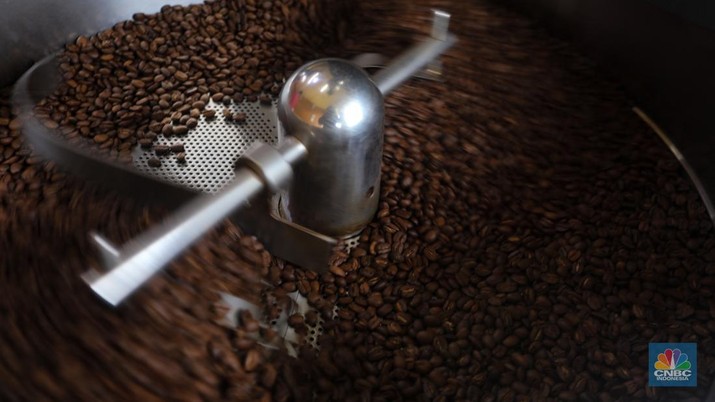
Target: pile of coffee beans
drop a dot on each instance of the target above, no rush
(154, 75)
(60, 342)
(533, 235)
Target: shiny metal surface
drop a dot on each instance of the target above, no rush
(333, 107)
(151, 252)
(369, 61)
(420, 61)
(411, 61)
(146, 255)
(440, 24)
(31, 30)
(421, 58)
(270, 165)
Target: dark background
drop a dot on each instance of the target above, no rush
(664, 54)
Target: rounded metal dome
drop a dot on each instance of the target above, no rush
(336, 111)
(330, 97)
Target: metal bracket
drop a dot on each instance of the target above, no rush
(285, 239)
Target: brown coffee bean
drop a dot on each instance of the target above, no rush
(375, 299)
(253, 360)
(295, 320)
(239, 117)
(181, 76)
(180, 130)
(311, 318)
(265, 99)
(249, 323)
(209, 114)
(101, 138)
(154, 162)
(227, 115)
(167, 129)
(181, 157)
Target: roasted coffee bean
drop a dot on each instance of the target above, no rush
(253, 360)
(154, 162)
(295, 320)
(227, 115)
(162, 149)
(217, 97)
(265, 99)
(375, 299)
(209, 114)
(181, 157)
(181, 76)
(180, 130)
(311, 318)
(239, 117)
(167, 129)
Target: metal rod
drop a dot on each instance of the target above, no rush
(153, 250)
(149, 253)
(410, 62)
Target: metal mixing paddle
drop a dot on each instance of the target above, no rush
(326, 171)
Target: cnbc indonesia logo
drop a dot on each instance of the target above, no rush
(673, 367)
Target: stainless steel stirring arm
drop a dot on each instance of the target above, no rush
(333, 114)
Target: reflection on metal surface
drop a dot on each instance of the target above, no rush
(328, 95)
(693, 176)
(440, 24)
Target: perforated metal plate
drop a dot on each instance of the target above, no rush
(213, 147)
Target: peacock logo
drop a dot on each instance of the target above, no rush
(672, 359)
